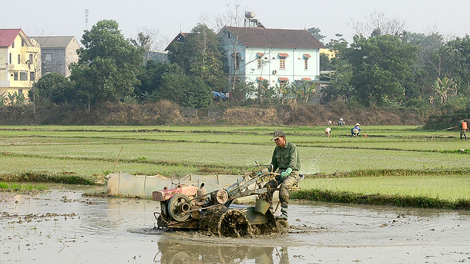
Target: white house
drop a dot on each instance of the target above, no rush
(279, 56)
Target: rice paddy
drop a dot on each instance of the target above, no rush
(385, 160)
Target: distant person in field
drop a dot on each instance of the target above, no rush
(328, 132)
(356, 130)
(330, 123)
(463, 129)
(341, 122)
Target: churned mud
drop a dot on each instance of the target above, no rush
(63, 226)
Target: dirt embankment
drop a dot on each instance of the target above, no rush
(167, 113)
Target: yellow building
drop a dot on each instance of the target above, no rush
(20, 64)
(330, 53)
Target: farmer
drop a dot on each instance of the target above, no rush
(463, 128)
(328, 132)
(355, 130)
(286, 160)
(341, 122)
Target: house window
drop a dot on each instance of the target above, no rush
(20, 91)
(30, 59)
(23, 76)
(19, 59)
(32, 76)
(283, 81)
(282, 64)
(10, 59)
(306, 57)
(13, 45)
(260, 55)
(22, 42)
(237, 58)
(47, 56)
(15, 76)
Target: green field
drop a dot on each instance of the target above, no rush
(435, 163)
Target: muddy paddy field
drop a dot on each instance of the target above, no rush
(64, 226)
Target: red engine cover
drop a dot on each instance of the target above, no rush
(166, 194)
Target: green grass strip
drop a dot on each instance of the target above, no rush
(21, 187)
(379, 199)
(390, 172)
(46, 177)
(142, 160)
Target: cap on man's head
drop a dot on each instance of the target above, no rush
(357, 124)
(278, 133)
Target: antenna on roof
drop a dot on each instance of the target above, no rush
(86, 19)
(251, 21)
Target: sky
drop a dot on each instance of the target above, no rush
(68, 18)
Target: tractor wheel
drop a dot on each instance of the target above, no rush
(235, 224)
(225, 222)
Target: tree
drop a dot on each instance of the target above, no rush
(378, 23)
(340, 88)
(325, 63)
(187, 91)
(302, 92)
(316, 34)
(52, 88)
(452, 60)
(151, 77)
(424, 72)
(108, 64)
(199, 54)
(150, 39)
(379, 67)
(142, 41)
(234, 16)
(443, 88)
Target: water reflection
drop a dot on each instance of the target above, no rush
(175, 252)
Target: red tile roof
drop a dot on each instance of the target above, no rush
(274, 38)
(7, 36)
(180, 37)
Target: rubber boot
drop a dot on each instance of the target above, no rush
(283, 215)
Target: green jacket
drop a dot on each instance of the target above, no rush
(286, 157)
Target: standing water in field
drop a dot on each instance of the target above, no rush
(64, 226)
